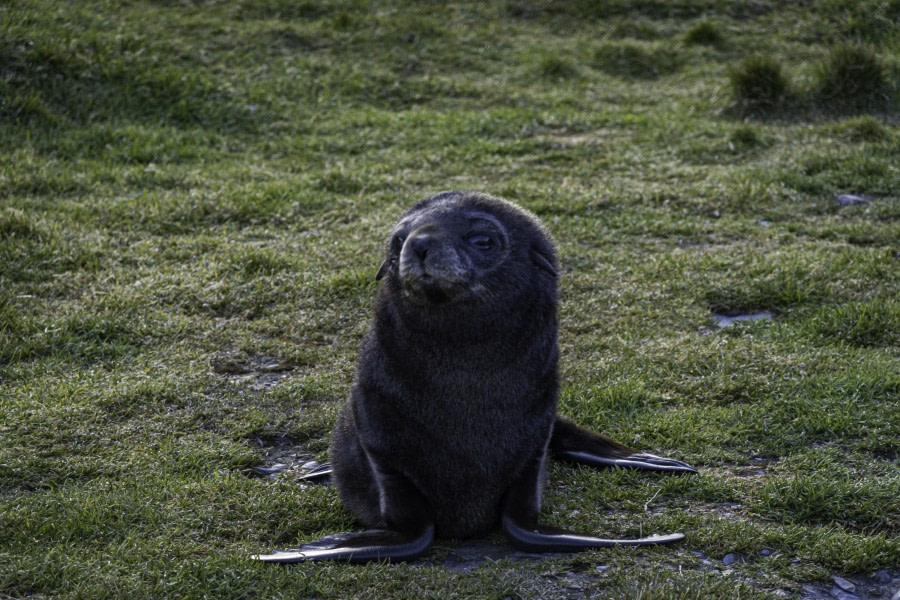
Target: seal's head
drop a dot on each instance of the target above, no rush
(468, 248)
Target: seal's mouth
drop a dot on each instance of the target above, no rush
(436, 295)
(428, 289)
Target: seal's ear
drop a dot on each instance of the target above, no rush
(382, 270)
(542, 261)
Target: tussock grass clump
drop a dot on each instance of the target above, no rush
(344, 21)
(636, 60)
(862, 129)
(862, 19)
(852, 77)
(758, 85)
(746, 138)
(704, 33)
(556, 67)
(639, 30)
(283, 9)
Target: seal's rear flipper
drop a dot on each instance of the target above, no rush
(572, 443)
(540, 538)
(366, 546)
(519, 520)
(320, 472)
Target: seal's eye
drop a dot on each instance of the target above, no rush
(481, 241)
(397, 243)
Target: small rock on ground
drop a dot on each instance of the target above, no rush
(839, 594)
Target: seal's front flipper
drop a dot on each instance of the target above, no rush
(369, 545)
(540, 538)
(404, 531)
(572, 443)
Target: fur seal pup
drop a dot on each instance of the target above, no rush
(452, 416)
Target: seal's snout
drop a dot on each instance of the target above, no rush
(426, 252)
(421, 245)
(431, 268)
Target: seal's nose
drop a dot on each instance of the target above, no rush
(420, 245)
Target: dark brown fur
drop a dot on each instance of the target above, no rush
(456, 396)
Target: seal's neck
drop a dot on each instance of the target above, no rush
(457, 325)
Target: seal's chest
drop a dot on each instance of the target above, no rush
(472, 399)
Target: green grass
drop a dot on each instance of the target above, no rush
(193, 199)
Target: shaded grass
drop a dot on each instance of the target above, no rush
(185, 182)
(759, 85)
(704, 33)
(637, 60)
(853, 77)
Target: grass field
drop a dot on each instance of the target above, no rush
(193, 198)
